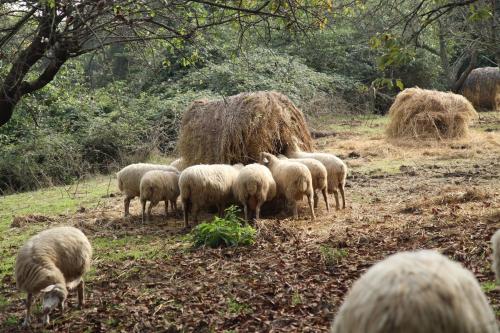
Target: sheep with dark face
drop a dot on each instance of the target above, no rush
(52, 262)
(416, 292)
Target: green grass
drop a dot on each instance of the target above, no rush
(48, 202)
(488, 286)
(236, 307)
(132, 247)
(332, 256)
(355, 124)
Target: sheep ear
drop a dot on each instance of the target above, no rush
(265, 160)
(48, 288)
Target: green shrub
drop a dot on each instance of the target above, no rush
(227, 231)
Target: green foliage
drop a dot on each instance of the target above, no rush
(332, 256)
(227, 231)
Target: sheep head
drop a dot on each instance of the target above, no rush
(53, 295)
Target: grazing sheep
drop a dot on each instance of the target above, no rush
(156, 186)
(254, 186)
(319, 177)
(495, 244)
(129, 179)
(335, 167)
(205, 185)
(179, 164)
(52, 262)
(293, 181)
(416, 292)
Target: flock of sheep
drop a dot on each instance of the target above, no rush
(205, 185)
(413, 292)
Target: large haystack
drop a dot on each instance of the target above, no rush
(425, 114)
(482, 88)
(236, 129)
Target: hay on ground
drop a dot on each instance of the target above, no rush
(429, 114)
(482, 88)
(238, 128)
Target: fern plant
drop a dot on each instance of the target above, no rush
(227, 231)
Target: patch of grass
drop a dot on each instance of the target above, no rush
(331, 255)
(296, 298)
(233, 306)
(50, 202)
(10, 321)
(488, 286)
(132, 247)
(227, 231)
(4, 302)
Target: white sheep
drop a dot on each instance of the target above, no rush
(293, 181)
(156, 186)
(495, 244)
(319, 177)
(129, 179)
(335, 167)
(254, 186)
(416, 292)
(206, 185)
(179, 164)
(52, 262)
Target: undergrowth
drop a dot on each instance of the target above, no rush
(227, 231)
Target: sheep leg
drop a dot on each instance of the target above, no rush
(185, 212)
(220, 208)
(245, 208)
(166, 207)
(151, 205)
(315, 200)
(295, 210)
(257, 210)
(143, 203)
(341, 189)
(336, 194)
(310, 201)
(81, 293)
(27, 319)
(173, 207)
(325, 197)
(194, 211)
(126, 202)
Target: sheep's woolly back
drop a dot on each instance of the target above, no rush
(495, 244)
(318, 171)
(55, 256)
(336, 168)
(256, 183)
(158, 185)
(416, 292)
(207, 184)
(129, 178)
(237, 128)
(293, 180)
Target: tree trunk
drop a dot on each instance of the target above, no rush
(6, 109)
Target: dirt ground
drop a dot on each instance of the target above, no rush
(400, 196)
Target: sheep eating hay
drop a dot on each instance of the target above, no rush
(238, 128)
(482, 88)
(51, 262)
(423, 114)
(416, 292)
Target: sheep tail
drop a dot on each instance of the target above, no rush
(301, 183)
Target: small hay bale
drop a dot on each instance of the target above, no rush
(429, 114)
(238, 128)
(482, 88)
